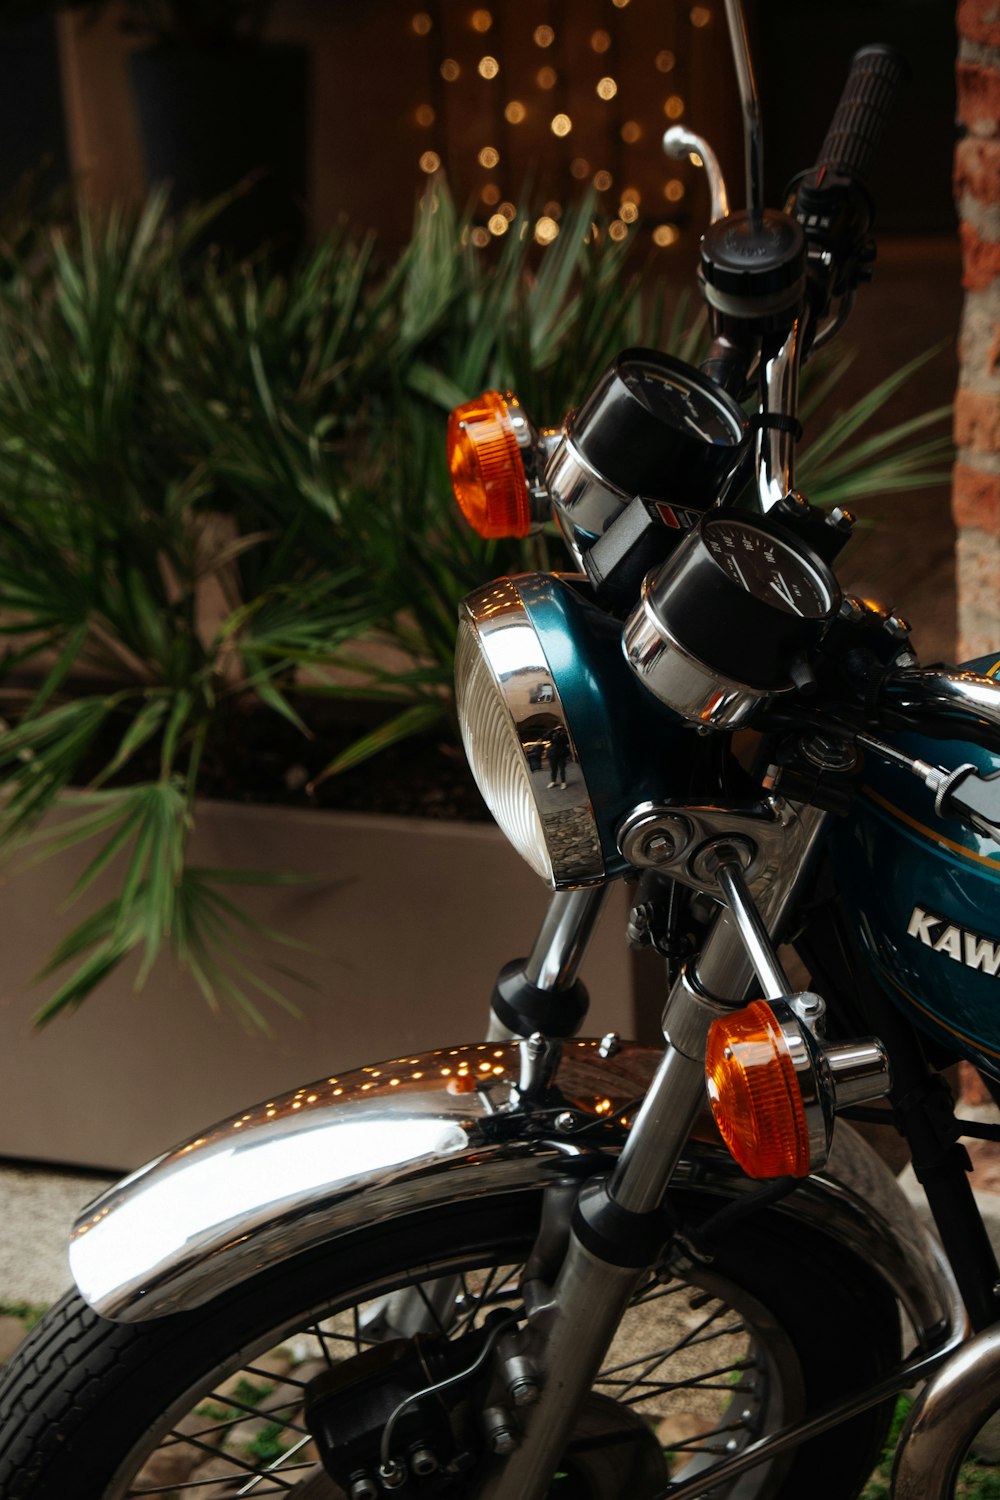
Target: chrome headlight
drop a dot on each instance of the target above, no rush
(542, 688)
(517, 739)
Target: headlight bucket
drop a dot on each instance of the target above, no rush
(545, 696)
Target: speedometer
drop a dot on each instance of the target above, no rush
(772, 570)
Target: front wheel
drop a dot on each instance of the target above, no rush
(209, 1404)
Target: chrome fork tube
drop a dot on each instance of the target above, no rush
(563, 937)
(591, 1294)
(559, 948)
(716, 983)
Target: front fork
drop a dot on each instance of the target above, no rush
(617, 1231)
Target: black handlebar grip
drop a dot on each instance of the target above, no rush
(876, 74)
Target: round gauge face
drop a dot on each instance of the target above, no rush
(673, 397)
(768, 568)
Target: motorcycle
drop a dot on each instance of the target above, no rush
(548, 1265)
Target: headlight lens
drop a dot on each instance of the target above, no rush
(496, 759)
(517, 736)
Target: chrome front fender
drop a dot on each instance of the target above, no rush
(303, 1169)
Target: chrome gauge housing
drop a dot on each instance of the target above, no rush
(559, 736)
(654, 427)
(730, 619)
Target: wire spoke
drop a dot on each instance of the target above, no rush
(428, 1304)
(491, 1291)
(689, 1383)
(667, 1390)
(665, 1308)
(655, 1290)
(267, 1375)
(469, 1316)
(687, 1342)
(278, 1463)
(696, 1444)
(174, 1439)
(176, 1485)
(231, 1458)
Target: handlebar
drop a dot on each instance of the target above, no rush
(955, 694)
(854, 134)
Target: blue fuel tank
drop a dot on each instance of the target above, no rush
(924, 892)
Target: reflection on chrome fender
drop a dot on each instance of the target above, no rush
(301, 1170)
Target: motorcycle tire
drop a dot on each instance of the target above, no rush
(92, 1410)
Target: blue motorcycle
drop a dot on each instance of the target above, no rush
(547, 1265)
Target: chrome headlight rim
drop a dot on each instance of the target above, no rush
(498, 625)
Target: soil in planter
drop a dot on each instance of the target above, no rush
(422, 777)
(263, 759)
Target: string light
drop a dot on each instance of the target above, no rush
(619, 4)
(695, 159)
(545, 228)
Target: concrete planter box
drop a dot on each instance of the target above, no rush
(411, 920)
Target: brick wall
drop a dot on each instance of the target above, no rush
(976, 486)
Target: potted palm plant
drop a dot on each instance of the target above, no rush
(203, 510)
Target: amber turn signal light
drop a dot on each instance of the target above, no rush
(487, 473)
(755, 1095)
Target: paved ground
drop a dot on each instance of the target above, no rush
(37, 1210)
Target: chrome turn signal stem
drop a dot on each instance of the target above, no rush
(726, 861)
